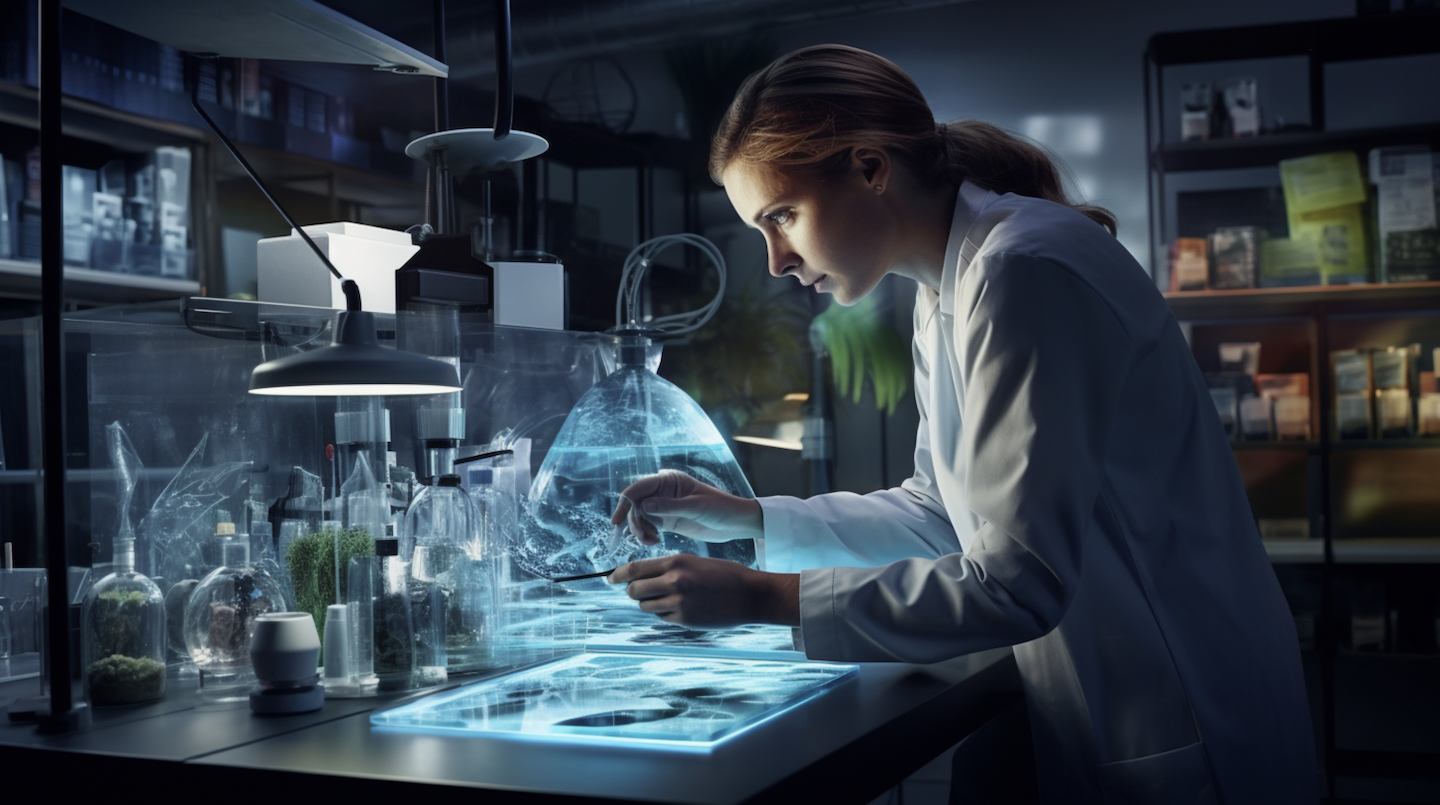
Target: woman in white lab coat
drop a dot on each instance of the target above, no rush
(1074, 495)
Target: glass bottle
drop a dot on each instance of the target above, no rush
(492, 492)
(631, 424)
(394, 634)
(219, 620)
(450, 553)
(123, 648)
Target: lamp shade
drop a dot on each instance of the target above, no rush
(354, 364)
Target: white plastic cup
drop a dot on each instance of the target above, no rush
(337, 642)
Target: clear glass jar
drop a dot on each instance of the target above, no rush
(220, 617)
(123, 643)
(450, 552)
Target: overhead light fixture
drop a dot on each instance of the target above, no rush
(354, 364)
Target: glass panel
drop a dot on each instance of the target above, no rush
(684, 701)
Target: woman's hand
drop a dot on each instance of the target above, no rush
(710, 593)
(670, 500)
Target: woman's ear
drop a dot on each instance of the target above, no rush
(871, 166)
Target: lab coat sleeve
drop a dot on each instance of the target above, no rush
(843, 528)
(1043, 362)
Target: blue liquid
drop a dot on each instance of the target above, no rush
(565, 529)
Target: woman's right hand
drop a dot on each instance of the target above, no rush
(670, 500)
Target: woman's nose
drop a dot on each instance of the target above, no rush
(782, 260)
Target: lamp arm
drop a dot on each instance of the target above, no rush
(192, 75)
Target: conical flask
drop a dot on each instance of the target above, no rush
(631, 424)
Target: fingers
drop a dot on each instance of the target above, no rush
(642, 569)
(623, 510)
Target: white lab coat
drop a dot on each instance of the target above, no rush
(1074, 496)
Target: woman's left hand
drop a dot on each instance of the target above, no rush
(710, 593)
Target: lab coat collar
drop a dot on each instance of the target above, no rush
(965, 240)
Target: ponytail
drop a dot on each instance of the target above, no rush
(810, 108)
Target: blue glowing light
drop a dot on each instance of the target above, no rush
(684, 702)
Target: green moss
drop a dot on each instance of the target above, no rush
(125, 680)
(118, 618)
(311, 561)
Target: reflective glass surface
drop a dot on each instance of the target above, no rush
(679, 700)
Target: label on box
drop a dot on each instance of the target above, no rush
(1352, 372)
(1292, 418)
(1391, 369)
(1352, 416)
(1393, 409)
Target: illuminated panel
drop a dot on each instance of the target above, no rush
(674, 702)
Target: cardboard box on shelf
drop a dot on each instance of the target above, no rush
(1235, 256)
(1353, 394)
(1189, 264)
(1407, 185)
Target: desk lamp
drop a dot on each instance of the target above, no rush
(354, 364)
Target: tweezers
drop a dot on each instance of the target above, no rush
(586, 575)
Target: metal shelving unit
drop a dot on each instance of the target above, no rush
(1349, 545)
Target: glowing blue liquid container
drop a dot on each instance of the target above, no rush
(631, 424)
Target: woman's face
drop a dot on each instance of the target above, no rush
(830, 234)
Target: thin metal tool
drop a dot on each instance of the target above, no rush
(586, 575)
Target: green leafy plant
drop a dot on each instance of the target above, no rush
(311, 560)
(750, 353)
(861, 344)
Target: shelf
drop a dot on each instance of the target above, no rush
(1295, 551)
(1374, 550)
(1268, 149)
(21, 278)
(19, 105)
(1387, 550)
(1287, 446)
(125, 131)
(1349, 445)
(1303, 300)
(295, 30)
(1327, 40)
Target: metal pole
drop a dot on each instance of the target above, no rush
(64, 715)
(442, 98)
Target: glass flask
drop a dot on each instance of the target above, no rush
(631, 424)
(124, 639)
(220, 616)
(450, 553)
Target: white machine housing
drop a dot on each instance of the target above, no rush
(288, 272)
(529, 294)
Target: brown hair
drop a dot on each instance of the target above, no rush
(809, 108)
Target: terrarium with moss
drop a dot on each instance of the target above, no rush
(319, 566)
(123, 649)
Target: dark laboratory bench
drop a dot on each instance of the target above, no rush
(848, 745)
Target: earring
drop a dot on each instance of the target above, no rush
(879, 188)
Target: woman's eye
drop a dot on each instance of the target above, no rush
(779, 217)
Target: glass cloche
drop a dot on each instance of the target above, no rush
(123, 649)
(220, 617)
(631, 424)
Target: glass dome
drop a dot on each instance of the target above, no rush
(220, 619)
(450, 552)
(631, 424)
(124, 638)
